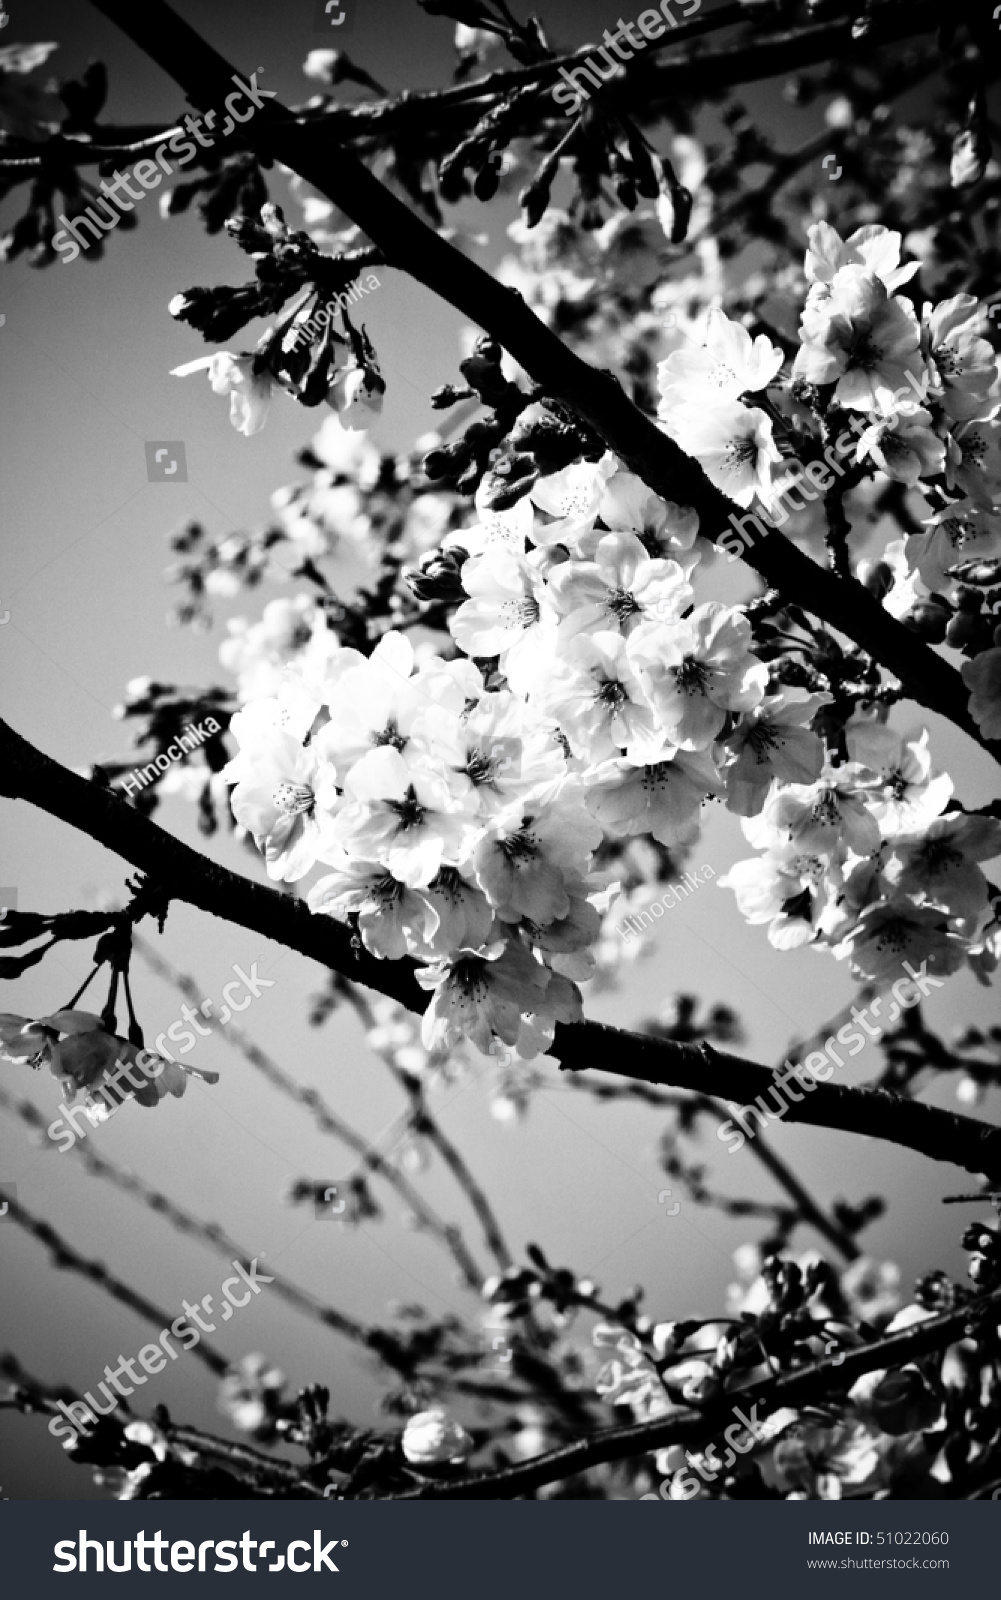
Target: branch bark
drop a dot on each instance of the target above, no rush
(445, 115)
(408, 243)
(27, 774)
(691, 1428)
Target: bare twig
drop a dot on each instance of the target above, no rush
(207, 1233)
(327, 1121)
(64, 1257)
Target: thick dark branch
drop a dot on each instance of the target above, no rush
(808, 1386)
(27, 774)
(942, 1135)
(408, 243)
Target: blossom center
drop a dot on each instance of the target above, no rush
(621, 604)
(947, 361)
(520, 846)
(937, 856)
(293, 798)
(899, 785)
(409, 810)
(761, 739)
(892, 935)
(974, 448)
(826, 812)
(520, 613)
(611, 694)
(468, 976)
(386, 891)
(740, 453)
(480, 768)
(691, 676)
(865, 354)
(391, 735)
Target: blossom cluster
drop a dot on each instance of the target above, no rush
(920, 393)
(867, 862)
(459, 804)
(469, 800)
(890, 1431)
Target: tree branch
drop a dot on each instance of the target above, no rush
(408, 243)
(807, 1386)
(27, 774)
(446, 115)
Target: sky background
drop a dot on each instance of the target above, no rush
(85, 354)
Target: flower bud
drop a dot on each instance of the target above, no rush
(971, 151)
(432, 1437)
(897, 1402)
(929, 618)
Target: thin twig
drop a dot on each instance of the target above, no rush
(65, 1257)
(326, 1120)
(207, 1233)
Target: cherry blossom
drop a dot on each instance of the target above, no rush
(280, 801)
(598, 698)
(772, 740)
(406, 817)
(873, 247)
(733, 444)
(730, 365)
(863, 339)
(961, 360)
(619, 589)
(246, 379)
(982, 677)
(697, 670)
(911, 797)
